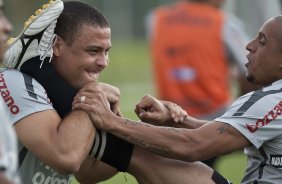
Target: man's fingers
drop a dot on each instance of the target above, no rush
(82, 106)
(116, 110)
(177, 114)
(148, 117)
(119, 113)
(145, 101)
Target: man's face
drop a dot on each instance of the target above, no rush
(5, 30)
(265, 56)
(83, 60)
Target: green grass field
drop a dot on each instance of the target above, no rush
(130, 71)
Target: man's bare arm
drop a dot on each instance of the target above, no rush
(209, 140)
(61, 144)
(212, 139)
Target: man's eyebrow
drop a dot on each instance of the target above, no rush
(96, 47)
(262, 34)
(93, 47)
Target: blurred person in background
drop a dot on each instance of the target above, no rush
(197, 55)
(8, 141)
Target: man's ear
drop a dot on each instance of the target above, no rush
(58, 46)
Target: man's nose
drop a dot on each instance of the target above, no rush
(103, 60)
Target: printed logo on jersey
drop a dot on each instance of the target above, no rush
(40, 178)
(270, 116)
(5, 93)
(49, 176)
(276, 160)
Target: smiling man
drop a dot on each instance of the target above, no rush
(53, 147)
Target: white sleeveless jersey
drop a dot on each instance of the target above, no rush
(22, 96)
(258, 116)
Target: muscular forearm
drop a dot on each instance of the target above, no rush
(159, 140)
(198, 144)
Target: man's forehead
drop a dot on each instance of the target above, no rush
(267, 26)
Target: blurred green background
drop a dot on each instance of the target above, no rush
(129, 67)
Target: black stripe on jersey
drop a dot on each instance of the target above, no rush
(29, 86)
(22, 155)
(263, 163)
(256, 96)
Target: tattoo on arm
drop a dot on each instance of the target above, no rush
(142, 143)
(223, 128)
(146, 146)
(129, 122)
(171, 129)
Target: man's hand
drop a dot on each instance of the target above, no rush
(112, 94)
(95, 102)
(157, 112)
(176, 112)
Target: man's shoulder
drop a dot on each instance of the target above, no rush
(16, 81)
(10, 76)
(11, 73)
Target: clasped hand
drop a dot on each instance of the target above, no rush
(99, 101)
(158, 112)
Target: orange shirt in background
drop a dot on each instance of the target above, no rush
(189, 61)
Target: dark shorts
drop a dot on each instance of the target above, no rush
(112, 150)
(219, 179)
